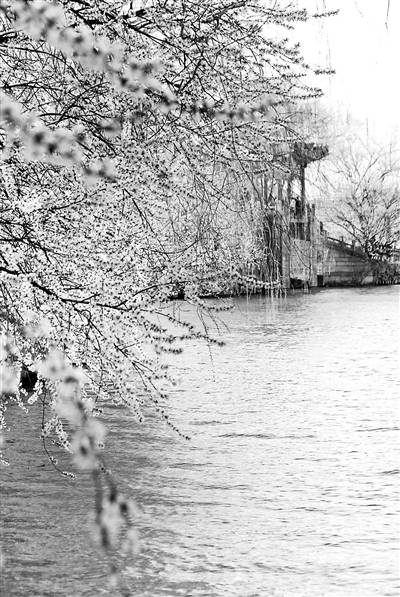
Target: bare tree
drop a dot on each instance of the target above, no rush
(362, 186)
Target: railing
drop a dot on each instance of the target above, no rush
(342, 244)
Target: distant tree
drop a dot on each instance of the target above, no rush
(364, 187)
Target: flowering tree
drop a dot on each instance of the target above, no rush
(124, 132)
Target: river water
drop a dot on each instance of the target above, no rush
(288, 486)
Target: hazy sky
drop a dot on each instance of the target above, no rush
(365, 52)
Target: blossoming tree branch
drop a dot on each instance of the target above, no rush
(128, 137)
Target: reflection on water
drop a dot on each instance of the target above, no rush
(288, 486)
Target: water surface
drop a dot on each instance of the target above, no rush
(288, 487)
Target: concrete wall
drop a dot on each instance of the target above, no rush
(346, 267)
(323, 261)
